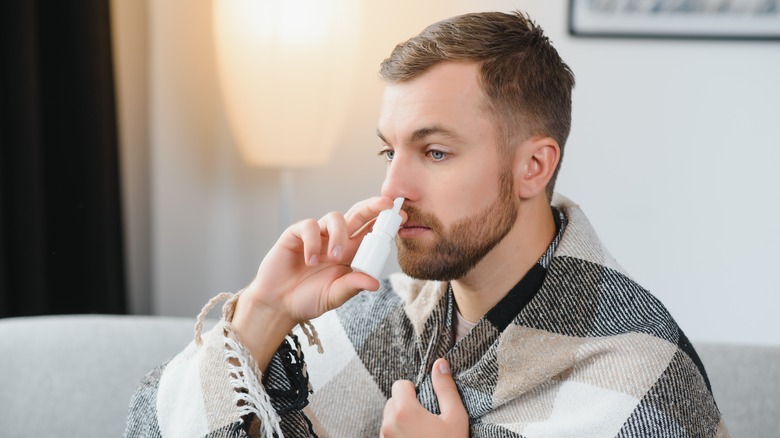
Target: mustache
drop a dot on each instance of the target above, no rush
(419, 217)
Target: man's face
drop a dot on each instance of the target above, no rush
(443, 157)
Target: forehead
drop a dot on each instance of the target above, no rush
(448, 95)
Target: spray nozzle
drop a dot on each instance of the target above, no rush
(397, 203)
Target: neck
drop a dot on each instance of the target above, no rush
(508, 262)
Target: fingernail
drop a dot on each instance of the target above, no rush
(337, 252)
(444, 367)
(313, 260)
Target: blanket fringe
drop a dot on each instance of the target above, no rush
(245, 374)
(311, 335)
(227, 312)
(245, 378)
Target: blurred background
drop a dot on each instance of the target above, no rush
(674, 156)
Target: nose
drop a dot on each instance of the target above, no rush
(400, 180)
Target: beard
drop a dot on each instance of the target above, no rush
(457, 250)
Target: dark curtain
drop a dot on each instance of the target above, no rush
(60, 221)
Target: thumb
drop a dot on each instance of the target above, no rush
(347, 286)
(446, 390)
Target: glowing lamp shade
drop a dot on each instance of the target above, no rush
(286, 71)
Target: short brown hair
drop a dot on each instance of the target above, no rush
(527, 84)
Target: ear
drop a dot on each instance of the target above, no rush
(534, 166)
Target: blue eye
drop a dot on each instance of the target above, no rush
(437, 155)
(389, 154)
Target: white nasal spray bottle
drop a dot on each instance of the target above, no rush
(375, 248)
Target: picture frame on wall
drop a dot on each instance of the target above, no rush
(694, 19)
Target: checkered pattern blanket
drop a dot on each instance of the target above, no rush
(592, 354)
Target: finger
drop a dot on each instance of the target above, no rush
(403, 391)
(446, 391)
(334, 226)
(388, 414)
(365, 211)
(308, 231)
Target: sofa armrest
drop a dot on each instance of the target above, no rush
(74, 375)
(746, 383)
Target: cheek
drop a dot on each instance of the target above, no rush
(465, 196)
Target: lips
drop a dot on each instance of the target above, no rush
(412, 229)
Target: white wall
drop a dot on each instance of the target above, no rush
(673, 155)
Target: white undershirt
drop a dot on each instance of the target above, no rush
(463, 326)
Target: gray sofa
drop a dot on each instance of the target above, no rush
(72, 376)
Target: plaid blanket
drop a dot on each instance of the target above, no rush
(592, 354)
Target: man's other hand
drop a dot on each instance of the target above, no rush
(404, 416)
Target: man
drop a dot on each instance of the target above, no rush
(512, 319)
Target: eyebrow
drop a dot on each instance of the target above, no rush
(424, 132)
